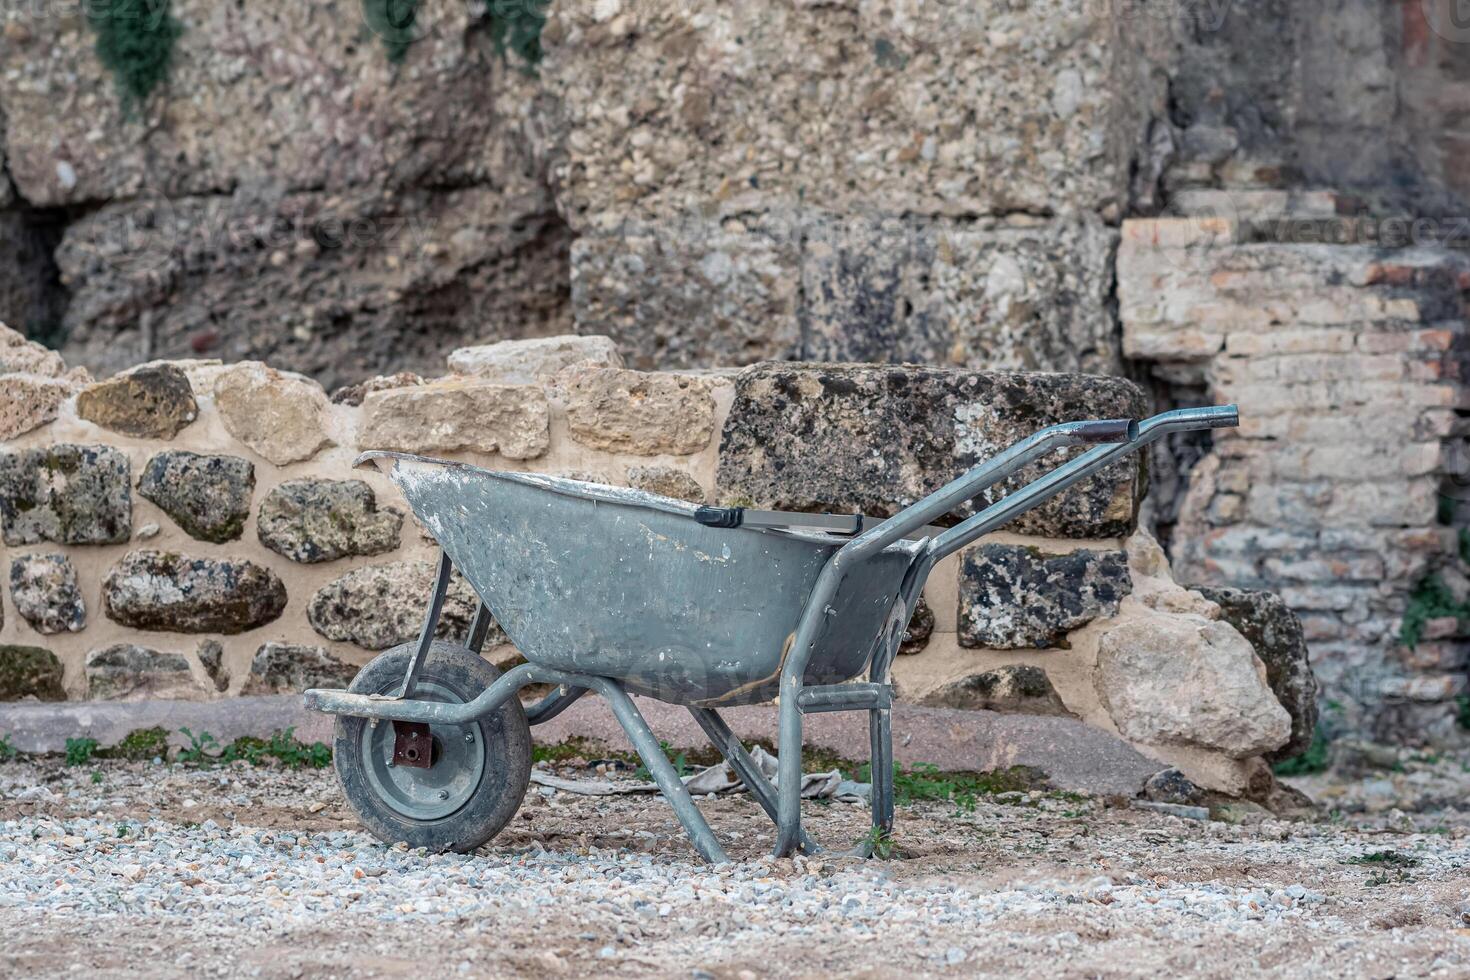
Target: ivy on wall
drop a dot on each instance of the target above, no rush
(135, 41)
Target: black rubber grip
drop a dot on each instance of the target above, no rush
(720, 516)
(1107, 430)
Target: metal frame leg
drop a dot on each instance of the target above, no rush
(723, 739)
(788, 769)
(662, 771)
(431, 623)
(880, 752)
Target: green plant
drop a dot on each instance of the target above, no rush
(135, 41)
(96, 777)
(122, 829)
(926, 781)
(1431, 599)
(1463, 714)
(681, 764)
(515, 26)
(282, 746)
(1394, 858)
(396, 22)
(1313, 760)
(140, 745)
(79, 751)
(197, 752)
(879, 843)
(7, 751)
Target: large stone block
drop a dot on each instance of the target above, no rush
(813, 437)
(458, 414)
(149, 402)
(128, 672)
(313, 520)
(44, 589)
(281, 416)
(71, 140)
(207, 496)
(637, 412)
(1014, 597)
(1186, 680)
(690, 294)
(1028, 297)
(66, 493)
(159, 590)
(982, 108)
(1275, 632)
(379, 606)
(340, 286)
(30, 672)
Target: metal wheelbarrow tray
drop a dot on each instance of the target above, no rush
(615, 591)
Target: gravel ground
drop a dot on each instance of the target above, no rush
(162, 870)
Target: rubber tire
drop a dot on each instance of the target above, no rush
(504, 733)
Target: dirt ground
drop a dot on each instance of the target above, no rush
(135, 868)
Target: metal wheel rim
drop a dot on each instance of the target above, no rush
(439, 791)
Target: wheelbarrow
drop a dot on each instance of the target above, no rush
(622, 592)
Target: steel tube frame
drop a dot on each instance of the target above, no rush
(1120, 438)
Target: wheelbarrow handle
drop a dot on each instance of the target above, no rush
(1040, 490)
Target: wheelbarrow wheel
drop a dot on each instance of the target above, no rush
(478, 772)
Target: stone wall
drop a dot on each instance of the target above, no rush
(1342, 489)
(910, 185)
(188, 529)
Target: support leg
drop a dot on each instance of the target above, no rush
(431, 623)
(788, 769)
(880, 744)
(729, 746)
(662, 771)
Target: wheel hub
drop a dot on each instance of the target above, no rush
(455, 757)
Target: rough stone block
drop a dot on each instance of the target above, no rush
(686, 294)
(30, 672)
(1187, 680)
(66, 493)
(212, 656)
(380, 606)
(44, 589)
(981, 108)
(207, 496)
(524, 362)
(29, 401)
(1275, 632)
(287, 668)
(634, 412)
(1014, 597)
(1015, 689)
(128, 672)
(312, 520)
(149, 402)
(281, 416)
(840, 438)
(454, 415)
(341, 286)
(666, 480)
(159, 590)
(920, 292)
(21, 356)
